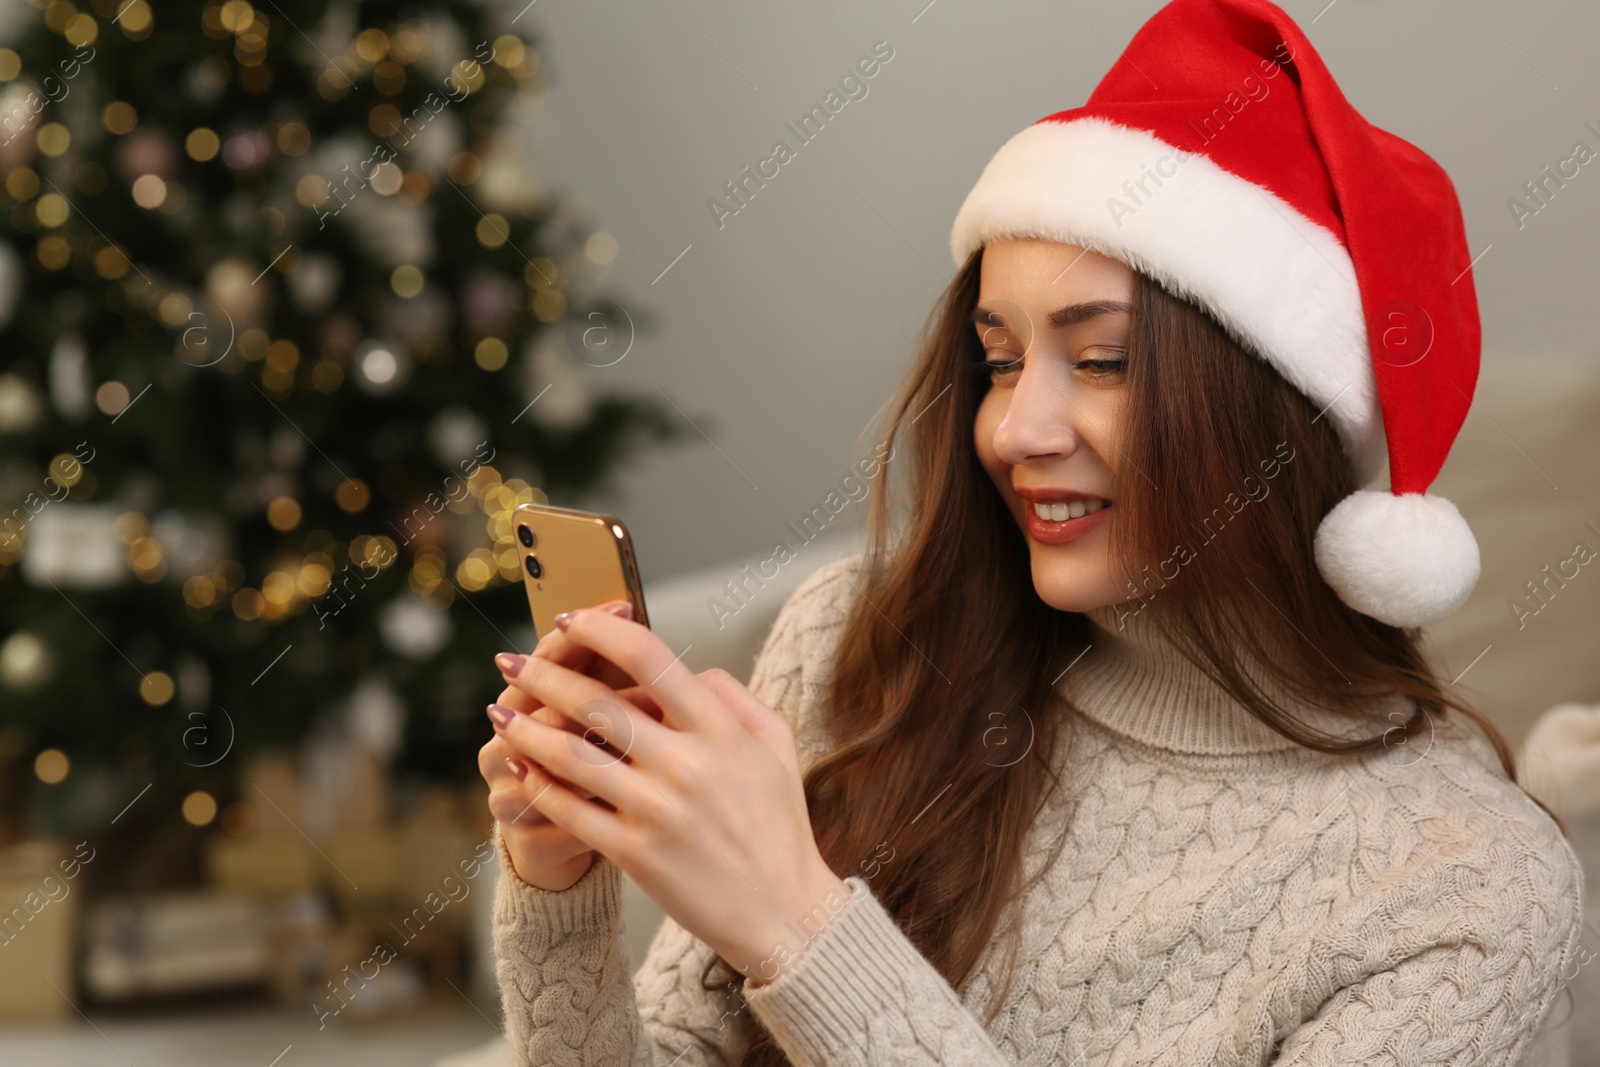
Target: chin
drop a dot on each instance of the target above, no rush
(1073, 577)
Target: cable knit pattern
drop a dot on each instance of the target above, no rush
(1223, 896)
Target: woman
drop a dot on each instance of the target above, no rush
(1121, 747)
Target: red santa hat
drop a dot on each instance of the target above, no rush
(1219, 157)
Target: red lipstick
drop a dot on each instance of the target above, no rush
(1057, 532)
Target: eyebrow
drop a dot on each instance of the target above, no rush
(1070, 315)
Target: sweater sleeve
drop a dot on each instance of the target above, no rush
(561, 956)
(859, 992)
(1460, 963)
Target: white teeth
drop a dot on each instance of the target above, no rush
(1060, 511)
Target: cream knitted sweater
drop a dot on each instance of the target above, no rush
(1223, 897)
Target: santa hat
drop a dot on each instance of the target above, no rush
(1219, 157)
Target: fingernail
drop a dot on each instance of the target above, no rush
(622, 610)
(500, 714)
(563, 619)
(509, 663)
(516, 768)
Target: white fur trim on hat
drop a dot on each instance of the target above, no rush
(1280, 283)
(1406, 559)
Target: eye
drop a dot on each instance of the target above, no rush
(1100, 369)
(998, 370)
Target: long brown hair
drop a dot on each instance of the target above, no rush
(947, 618)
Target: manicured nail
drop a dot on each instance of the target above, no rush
(623, 610)
(563, 619)
(510, 663)
(500, 714)
(516, 768)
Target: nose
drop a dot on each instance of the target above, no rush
(1040, 420)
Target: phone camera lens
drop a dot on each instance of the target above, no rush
(534, 568)
(525, 535)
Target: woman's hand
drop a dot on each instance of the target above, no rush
(542, 854)
(701, 787)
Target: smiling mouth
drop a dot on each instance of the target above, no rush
(1053, 531)
(1061, 510)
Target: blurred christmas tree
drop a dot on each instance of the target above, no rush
(288, 330)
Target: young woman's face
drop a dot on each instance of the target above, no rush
(1053, 320)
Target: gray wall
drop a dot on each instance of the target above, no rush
(784, 333)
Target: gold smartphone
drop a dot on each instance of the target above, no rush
(574, 559)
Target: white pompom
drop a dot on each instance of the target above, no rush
(1405, 559)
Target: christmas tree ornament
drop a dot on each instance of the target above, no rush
(431, 145)
(21, 102)
(25, 660)
(561, 396)
(287, 448)
(508, 184)
(20, 404)
(190, 544)
(487, 301)
(422, 320)
(379, 367)
(314, 285)
(246, 149)
(392, 231)
(204, 82)
(70, 389)
(231, 284)
(456, 434)
(374, 715)
(69, 544)
(147, 151)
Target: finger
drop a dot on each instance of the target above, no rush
(588, 822)
(640, 697)
(596, 667)
(499, 763)
(525, 704)
(571, 759)
(556, 647)
(592, 728)
(491, 762)
(515, 807)
(594, 706)
(688, 703)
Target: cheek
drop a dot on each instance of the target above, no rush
(1100, 424)
(990, 411)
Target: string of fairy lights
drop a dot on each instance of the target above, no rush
(387, 60)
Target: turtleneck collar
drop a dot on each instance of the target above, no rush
(1136, 683)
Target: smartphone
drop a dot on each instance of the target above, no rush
(574, 559)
